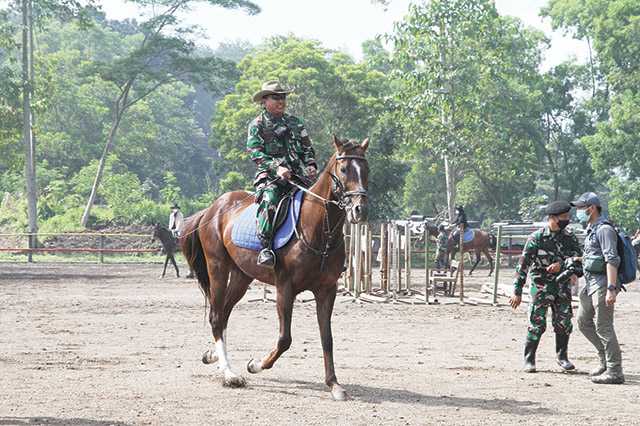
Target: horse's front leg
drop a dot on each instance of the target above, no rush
(325, 298)
(284, 302)
(164, 270)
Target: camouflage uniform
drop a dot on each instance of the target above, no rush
(542, 249)
(273, 142)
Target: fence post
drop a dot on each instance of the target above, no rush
(369, 258)
(101, 248)
(384, 250)
(426, 263)
(461, 266)
(349, 280)
(398, 262)
(407, 256)
(497, 271)
(357, 246)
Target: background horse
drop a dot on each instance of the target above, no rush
(169, 245)
(312, 261)
(482, 242)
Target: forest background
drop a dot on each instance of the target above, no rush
(129, 116)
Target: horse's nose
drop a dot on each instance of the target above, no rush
(360, 212)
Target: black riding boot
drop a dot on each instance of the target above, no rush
(562, 344)
(530, 348)
(266, 257)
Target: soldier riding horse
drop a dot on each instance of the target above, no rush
(312, 261)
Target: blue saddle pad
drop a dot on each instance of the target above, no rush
(244, 233)
(468, 235)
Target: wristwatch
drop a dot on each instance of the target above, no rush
(612, 287)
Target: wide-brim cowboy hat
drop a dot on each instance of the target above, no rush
(272, 87)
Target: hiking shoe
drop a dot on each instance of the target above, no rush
(608, 378)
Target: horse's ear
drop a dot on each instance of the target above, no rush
(365, 144)
(337, 142)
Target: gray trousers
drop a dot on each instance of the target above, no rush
(595, 321)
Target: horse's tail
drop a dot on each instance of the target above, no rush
(492, 241)
(194, 253)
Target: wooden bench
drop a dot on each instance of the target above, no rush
(446, 279)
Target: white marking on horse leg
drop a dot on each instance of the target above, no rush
(230, 378)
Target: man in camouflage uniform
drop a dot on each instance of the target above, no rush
(441, 247)
(280, 146)
(548, 252)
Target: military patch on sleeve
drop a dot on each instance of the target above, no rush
(304, 133)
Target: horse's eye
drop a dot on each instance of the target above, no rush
(343, 169)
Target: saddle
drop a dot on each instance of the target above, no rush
(467, 237)
(244, 233)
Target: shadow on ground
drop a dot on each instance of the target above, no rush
(377, 395)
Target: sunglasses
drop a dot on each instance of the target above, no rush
(278, 97)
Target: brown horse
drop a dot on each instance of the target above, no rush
(312, 261)
(482, 242)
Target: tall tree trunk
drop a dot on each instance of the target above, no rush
(451, 187)
(27, 129)
(98, 179)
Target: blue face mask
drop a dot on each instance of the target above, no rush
(582, 215)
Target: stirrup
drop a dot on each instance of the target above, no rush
(267, 258)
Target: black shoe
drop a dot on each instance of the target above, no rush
(562, 345)
(530, 348)
(267, 258)
(608, 378)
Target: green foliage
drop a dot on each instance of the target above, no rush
(624, 203)
(234, 181)
(461, 61)
(333, 94)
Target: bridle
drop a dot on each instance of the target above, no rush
(344, 201)
(344, 197)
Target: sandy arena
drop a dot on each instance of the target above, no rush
(115, 345)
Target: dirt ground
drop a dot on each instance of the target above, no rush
(115, 345)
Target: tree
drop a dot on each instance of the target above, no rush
(333, 94)
(611, 28)
(466, 82)
(164, 55)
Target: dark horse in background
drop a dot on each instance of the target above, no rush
(312, 261)
(481, 243)
(169, 246)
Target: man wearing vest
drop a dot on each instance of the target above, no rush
(598, 296)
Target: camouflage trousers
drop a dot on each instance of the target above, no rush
(543, 297)
(268, 195)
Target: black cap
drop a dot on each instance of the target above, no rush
(587, 199)
(558, 207)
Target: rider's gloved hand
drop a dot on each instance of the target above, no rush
(283, 173)
(311, 172)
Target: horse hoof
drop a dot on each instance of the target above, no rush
(338, 393)
(254, 366)
(234, 381)
(209, 357)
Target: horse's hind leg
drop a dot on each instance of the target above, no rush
(475, 264)
(284, 302)
(236, 289)
(490, 259)
(218, 276)
(175, 265)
